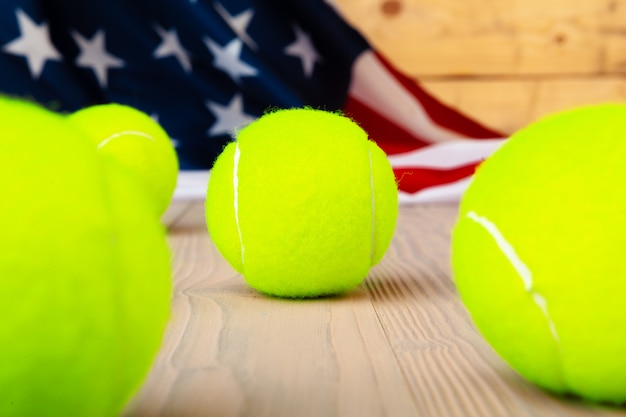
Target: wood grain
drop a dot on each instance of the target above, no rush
(433, 37)
(509, 104)
(505, 62)
(399, 345)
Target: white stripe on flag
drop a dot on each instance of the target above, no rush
(373, 85)
(447, 155)
(191, 185)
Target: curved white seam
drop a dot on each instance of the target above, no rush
(237, 157)
(123, 133)
(373, 191)
(520, 267)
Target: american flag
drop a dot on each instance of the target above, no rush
(205, 68)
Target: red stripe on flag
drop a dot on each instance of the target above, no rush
(391, 138)
(440, 113)
(414, 179)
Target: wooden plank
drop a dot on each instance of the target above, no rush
(175, 212)
(399, 345)
(480, 37)
(449, 368)
(509, 104)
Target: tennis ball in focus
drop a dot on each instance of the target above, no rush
(302, 204)
(538, 252)
(136, 141)
(85, 277)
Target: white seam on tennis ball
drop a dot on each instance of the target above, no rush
(373, 191)
(237, 157)
(520, 267)
(123, 133)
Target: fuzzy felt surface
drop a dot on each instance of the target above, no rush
(85, 277)
(537, 252)
(136, 141)
(302, 204)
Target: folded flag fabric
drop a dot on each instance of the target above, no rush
(206, 68)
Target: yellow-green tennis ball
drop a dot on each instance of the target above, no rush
(302, 204)
(85, 277)
(138, 142)
(538, 251)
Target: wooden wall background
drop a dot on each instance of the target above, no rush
(504, 62)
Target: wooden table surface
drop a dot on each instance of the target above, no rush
(399, 345)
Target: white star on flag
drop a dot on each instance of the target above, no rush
(239, 24)
(34, 44)
(303, 49)
(170, 46)
(230, 118)
(228, 59)
(93, 55)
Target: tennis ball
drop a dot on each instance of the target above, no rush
(136, 141)
(85, 277)
(537, 252)
(302, 204)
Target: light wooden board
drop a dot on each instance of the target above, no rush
(509, 104)
(434, 37)
(400, 345)
(504, 62)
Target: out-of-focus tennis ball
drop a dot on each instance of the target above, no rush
(538, 252)
(85, 275)
(302, 204)
(137, 141)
